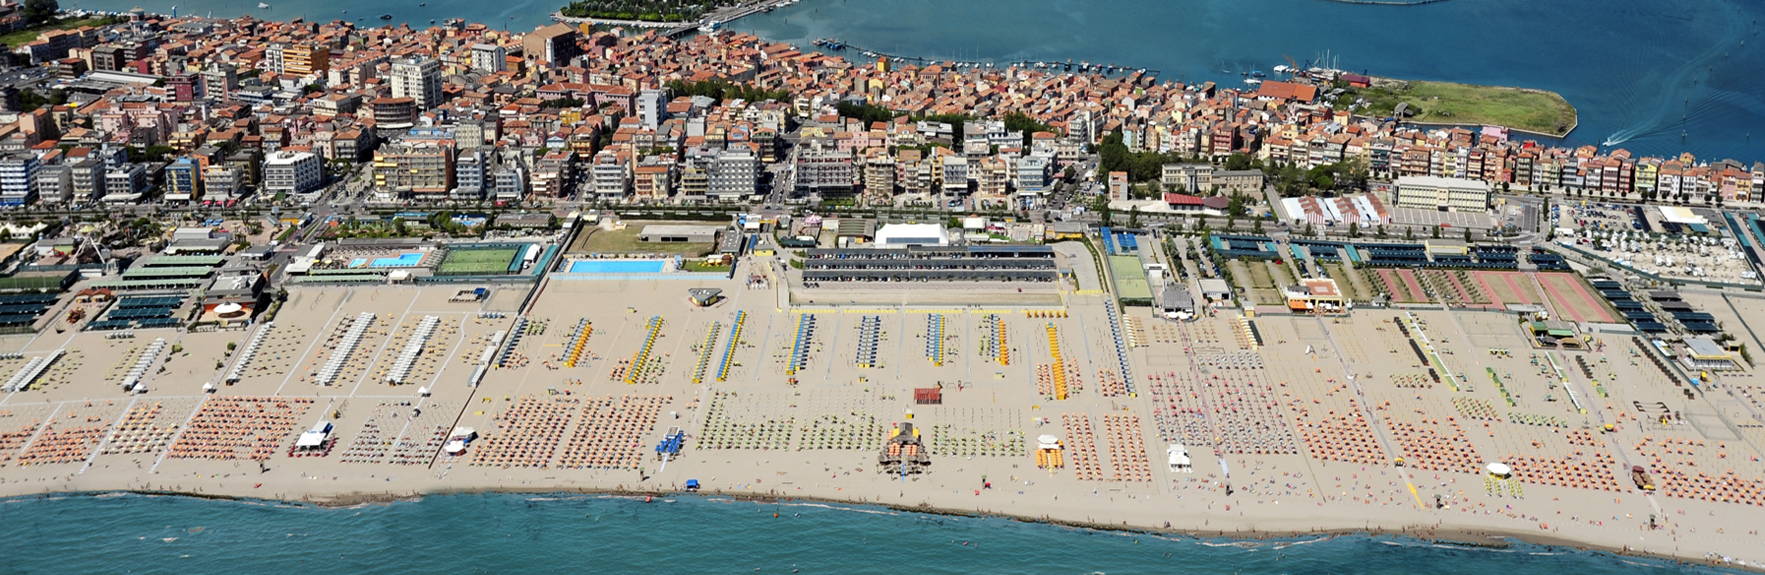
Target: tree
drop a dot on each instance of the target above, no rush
(1257, 227)
(1354, 229)
(1200, 223)
(1134, 217)
(1467, 235)
(40, 10)
(1101, 206)
(1308, 229)
(1238, 161)
(1437, 231)
(1381, 231)
(1409, 233)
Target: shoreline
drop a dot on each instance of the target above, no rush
(1442, 533)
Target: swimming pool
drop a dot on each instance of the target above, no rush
(406, 260)
(616, 266)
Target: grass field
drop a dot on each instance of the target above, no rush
(1130, 278)
(1446, 102)
(702, 267)
(476, 262)
(603, 241)
(20, 37)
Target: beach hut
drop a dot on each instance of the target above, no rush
(314, 438)
(1048, 452)
(1179, 458)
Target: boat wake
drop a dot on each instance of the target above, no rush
(1680, 81)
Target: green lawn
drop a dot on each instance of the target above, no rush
(476, 261)
(701, 266)
(21, 37)
(1446, 102)
(601, 241)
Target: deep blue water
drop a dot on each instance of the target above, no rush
(501, 533)
(1655, 76)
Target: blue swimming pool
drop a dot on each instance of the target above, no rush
(616, 266)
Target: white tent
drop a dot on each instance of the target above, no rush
(1179, 459)
(315, 437)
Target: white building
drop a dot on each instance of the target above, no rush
(1446, 194)
(418, 79)
(470, 175)
(489, 57)
(292, 172)
(902, 235)
(732, 175)
(18, 173)
(955, 175)
(612, 179)
(1032, 174)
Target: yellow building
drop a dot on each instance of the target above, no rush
(305, 60)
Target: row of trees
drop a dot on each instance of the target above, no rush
(647, 10)
(721, 90)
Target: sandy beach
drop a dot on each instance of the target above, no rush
(1298, 433)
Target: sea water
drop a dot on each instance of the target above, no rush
(1656, 77)
(545, 533)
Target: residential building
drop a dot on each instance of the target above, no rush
(1032, 174)
(471, 177)
(732, 175)
(489, 58)
(612, 181)
(415, 170)
(510, 183)
(302, 60)
(551, 46)
(182, 181)
(292, 173)
(418, 79)
(222, 182)
(18, 173)
(125, 183)
(54, 183)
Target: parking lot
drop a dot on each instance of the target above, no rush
(1635, 236)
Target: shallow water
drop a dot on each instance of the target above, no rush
(501, 533)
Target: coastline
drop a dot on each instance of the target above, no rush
(1440, 534)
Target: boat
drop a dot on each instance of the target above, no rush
(385, 16)
(1257, 74)
(1253, 81)
(262, 5)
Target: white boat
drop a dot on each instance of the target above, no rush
(262, 5)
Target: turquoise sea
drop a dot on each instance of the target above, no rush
(536, 533)
(1654, 76)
